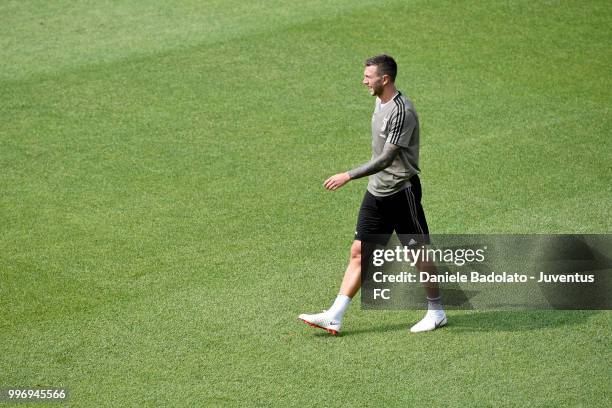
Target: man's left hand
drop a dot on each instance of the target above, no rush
(336, 181)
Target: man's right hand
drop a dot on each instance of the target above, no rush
(336, 181)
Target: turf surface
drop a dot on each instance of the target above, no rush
(163, 220)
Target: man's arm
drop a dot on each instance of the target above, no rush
(384, 160)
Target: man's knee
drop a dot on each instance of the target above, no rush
(425, 265)
(356, 250)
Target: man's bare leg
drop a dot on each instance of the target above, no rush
(431, 288)
(352, 277)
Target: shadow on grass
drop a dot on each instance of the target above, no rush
(517, 321)
(404, 326)
(495, 321)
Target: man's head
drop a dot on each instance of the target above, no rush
(380, 72)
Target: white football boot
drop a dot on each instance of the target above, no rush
(323, 321)
(432, 320)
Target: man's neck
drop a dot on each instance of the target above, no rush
(388, 94)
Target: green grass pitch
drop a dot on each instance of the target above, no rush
(163, 220)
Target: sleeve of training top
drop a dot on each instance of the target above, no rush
(378, 163)
(401, 126)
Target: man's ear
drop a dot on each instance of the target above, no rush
(386, 79)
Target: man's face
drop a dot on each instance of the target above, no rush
(373, 80)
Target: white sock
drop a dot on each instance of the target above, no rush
(434, 305)
(340, 305)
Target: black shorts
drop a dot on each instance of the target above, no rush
(401, 212)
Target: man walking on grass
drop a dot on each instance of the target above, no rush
(392, 201)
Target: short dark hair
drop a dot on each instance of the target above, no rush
(385, 65)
